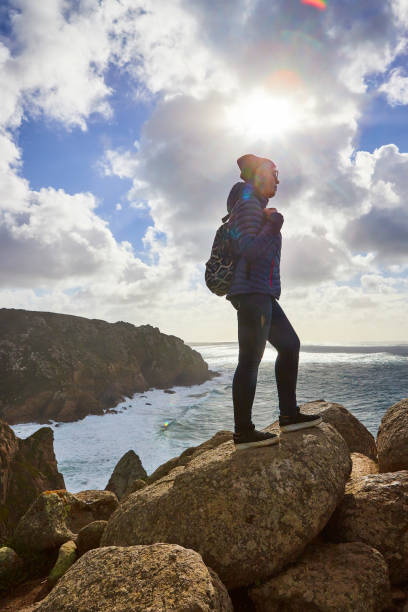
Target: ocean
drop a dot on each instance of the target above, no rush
(158, 426)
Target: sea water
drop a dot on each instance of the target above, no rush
(158, 425)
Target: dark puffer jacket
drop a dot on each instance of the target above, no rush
(257, 243)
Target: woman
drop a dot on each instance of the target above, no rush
(254, 292)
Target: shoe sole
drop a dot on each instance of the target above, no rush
(296, 426)
(244, 445)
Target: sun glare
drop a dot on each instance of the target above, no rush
(261, 115)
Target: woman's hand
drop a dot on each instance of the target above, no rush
(268, 211)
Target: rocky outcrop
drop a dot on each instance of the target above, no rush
(374, 511)
(27, 467)
(325, 578)
(159, 578)
(128, 469)
(392, 438)
(56, 517)
(249, 513)
(357, 437)
(63, 367)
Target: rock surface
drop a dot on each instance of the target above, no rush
(190, 453)
(64, 367)
(356, 435)
(67, 555)
(57, 516)
(27, 467)
(157, 578)
(339, 577)
(374, 510)
(128, 469)
(392, 438)
(248, 513)
(362, 465)
(89, 536)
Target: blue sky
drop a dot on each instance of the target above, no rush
(120, 128)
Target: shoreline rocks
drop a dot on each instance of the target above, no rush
(157, 578)
(325, 578)
(249, 513)
(374, 510)
(65, 367)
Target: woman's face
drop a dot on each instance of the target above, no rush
(266, 180)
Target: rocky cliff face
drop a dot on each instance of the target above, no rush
(63, 367)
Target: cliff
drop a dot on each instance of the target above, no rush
(64, 367)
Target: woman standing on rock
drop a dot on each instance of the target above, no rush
(254, 292)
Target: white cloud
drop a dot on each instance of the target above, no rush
(198, 59)
(396, 88)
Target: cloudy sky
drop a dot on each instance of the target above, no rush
(120, 125)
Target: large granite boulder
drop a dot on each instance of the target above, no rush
(356, 435)
(392, 438)
(64, 367)
(157, 578)
(374, 510)
(27, 467)
(248, 513)
(56, 517)
(349, 577)
(128, 469)
(190, 453)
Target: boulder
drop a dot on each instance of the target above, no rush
(190, 453)
(392, 438)
(57, 516)
(349, 577)
(362, 465)
(374, 511)
(247, 513)
(128, 469)
(357, 437)
(10, 567)
(157, 578)
(89, 536)
(100, 504)
(67, 555)
(27, 467)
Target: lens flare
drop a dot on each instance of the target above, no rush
(319, 4)
(262, 115)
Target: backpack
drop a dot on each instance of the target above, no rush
(219, 269)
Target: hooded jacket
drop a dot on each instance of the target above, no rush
(257, 243)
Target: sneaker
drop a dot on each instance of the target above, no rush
(253, 438)
(299, 421)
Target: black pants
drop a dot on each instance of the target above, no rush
(260, 318)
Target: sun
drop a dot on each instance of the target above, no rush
(262, 116)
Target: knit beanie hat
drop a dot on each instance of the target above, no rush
(248, 164)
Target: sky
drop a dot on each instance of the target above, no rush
(120, 125)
